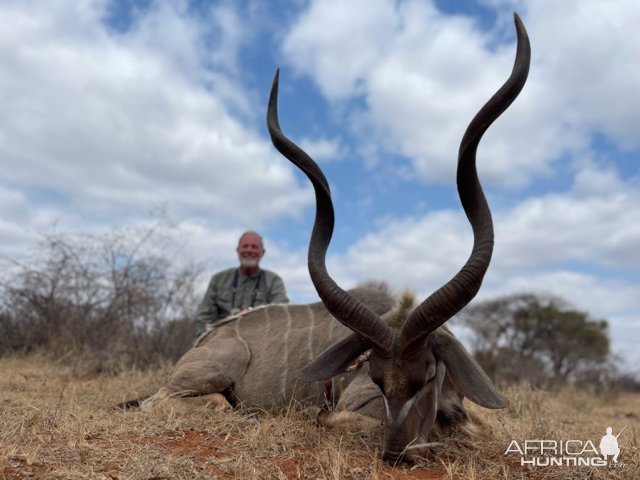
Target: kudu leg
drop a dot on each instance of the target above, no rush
(214, 401)
(359, 406)
(202, 375)
(351, 421)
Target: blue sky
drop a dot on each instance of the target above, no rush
(114, 109)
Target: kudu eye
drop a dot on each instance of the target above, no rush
(415, 387)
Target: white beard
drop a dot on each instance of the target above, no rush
(249, 262)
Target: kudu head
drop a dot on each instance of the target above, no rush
(410, 364)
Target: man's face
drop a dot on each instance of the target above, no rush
(250, 250)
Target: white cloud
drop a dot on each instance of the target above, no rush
(411, 80)
(556, 243)
(537, 235)
(423, 75)
(418, 253)
(323, 149)
(14, 212)
(118, 123)
(337, 42)
(597, 222)
(587, 56)
(601, 297)
(612, 300)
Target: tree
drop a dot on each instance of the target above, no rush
(537, 339)
(111, 301)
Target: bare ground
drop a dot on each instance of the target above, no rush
(58, 422)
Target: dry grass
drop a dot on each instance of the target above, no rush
(56, 425)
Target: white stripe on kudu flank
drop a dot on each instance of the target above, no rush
(312, 323)
(239, 337)
(285, 370)
(331, 328)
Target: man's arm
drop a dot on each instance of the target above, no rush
(277, 292)
(208, 310)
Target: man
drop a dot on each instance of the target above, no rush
(238, 290)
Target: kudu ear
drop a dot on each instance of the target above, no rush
(465, 373)
(335, 359)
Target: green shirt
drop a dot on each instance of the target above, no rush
(231, 290)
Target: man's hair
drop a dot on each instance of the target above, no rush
(251, 232)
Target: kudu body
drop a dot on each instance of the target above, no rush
(417, 372)
(254, 360)
(418, 367)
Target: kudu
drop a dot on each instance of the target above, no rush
(417, 373)
(253, 360)
(421, 370)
